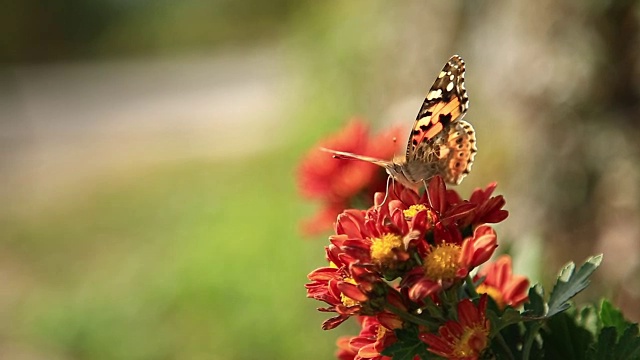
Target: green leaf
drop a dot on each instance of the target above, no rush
(564, 339)
(605, 346)
(611, 316)
(627, 348)
(571, 283)
(407, 346)
(629, 345)
(588, 318)
(531, 343)
(535, 306)
(509, 316)
(508, 344)
(434, 311)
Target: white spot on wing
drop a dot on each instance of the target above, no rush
(435, 94)
(450, 86)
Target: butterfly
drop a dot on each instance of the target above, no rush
(440, 143)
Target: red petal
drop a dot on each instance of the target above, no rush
(390, 321)
(458, 212)
(333, 322)
(468, 313)
(323, 274)
(422, 289)
(352, 291)
(437, 194)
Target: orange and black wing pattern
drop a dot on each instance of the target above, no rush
(446, 102)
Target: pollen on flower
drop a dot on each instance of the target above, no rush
(381, 332)
(471, 343)
(464, 339)
(382, 249)
(347, 301)
(442, 262)
(413, 210)
(494, 292)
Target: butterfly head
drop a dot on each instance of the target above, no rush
(399, 171)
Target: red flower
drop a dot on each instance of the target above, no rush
(500, 283)
(487, 209)
(447, 262)
(340, 184)
(325, 286)
(349, 288)
(382, 238)
(345, 352)
(376, 335)
(464, 339)
(418, 238)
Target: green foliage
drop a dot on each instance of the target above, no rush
(609, 347)
(611, 317)
(570, 283)
(510, 316)
(618, 338)
(408, 345)
(549, 331)
(535, 306)
(564, 339)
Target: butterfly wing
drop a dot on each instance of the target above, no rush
(440, 143)
(454, 151)
(445, 103)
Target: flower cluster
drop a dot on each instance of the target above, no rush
(414, 269)
(407, 262)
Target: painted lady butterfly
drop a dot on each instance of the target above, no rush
(440, 142)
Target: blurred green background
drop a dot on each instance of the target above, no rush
(149, 151)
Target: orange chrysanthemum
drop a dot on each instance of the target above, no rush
(375, 336)
(501, 284)
(464, 339)
(447, 262)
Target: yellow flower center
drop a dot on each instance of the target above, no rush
(494, 292)
(442, 263)
(382, 249)
(413, 210)
(471, 344)
(381, 332)
(347, 301)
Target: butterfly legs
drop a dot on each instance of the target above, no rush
(386, 189)
(426, 190)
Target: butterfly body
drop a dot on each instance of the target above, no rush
(440, 143)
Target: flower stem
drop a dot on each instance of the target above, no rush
(410, 317)
(504, 346)
(530, 336)
(471, 287)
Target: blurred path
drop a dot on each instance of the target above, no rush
(65, 127)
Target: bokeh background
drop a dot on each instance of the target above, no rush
(149, 148)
